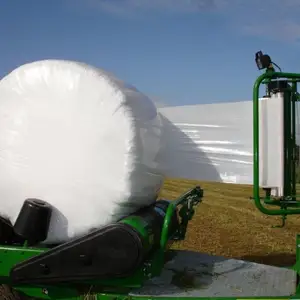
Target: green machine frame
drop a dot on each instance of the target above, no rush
(285, 83)
(22, 258)
(177, 212)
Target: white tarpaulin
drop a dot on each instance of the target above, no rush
(214, 142)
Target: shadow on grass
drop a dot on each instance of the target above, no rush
(276, 259)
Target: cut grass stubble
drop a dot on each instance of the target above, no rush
(227, 223)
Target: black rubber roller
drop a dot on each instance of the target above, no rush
(6, 231)
(33, 221)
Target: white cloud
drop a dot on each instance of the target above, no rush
(286, 31)
(131, 7)
(274, 19)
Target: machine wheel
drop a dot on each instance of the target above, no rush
(7, 293)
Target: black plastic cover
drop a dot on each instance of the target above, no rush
(110, 252)
(33, 220)
(7, 234)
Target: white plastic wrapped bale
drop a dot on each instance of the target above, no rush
(80, 139)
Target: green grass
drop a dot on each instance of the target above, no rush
(227, 223)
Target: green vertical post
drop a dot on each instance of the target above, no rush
(293, 136)
(287, 142)
(256, 139)
(298, 248)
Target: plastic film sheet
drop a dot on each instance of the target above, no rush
(214, 142)
(80, 139)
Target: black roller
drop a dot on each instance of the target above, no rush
(33, 220)
(153, 218)
(6, 231)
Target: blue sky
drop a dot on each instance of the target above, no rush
(177, 51)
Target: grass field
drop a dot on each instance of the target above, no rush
(227, 223)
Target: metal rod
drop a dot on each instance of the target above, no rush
(294, 119)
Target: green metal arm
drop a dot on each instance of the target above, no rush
(187, 202)
(256, 189)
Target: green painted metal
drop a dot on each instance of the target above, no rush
(13, 255)
(117, 288)
(296, 267)
(287, 188)
(293, 137)
(186, 202)
(287, 207)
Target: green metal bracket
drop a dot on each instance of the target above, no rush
(283, 221)
(187, 203)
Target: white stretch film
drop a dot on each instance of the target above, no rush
(214, 142)
(77, 137)
(272, 143)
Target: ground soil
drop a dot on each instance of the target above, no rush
(227, 223)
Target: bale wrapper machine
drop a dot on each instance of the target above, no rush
(132, 259)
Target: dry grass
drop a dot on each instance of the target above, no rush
(227, 223)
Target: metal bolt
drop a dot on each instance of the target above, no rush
(86, 260)
(44, 269)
